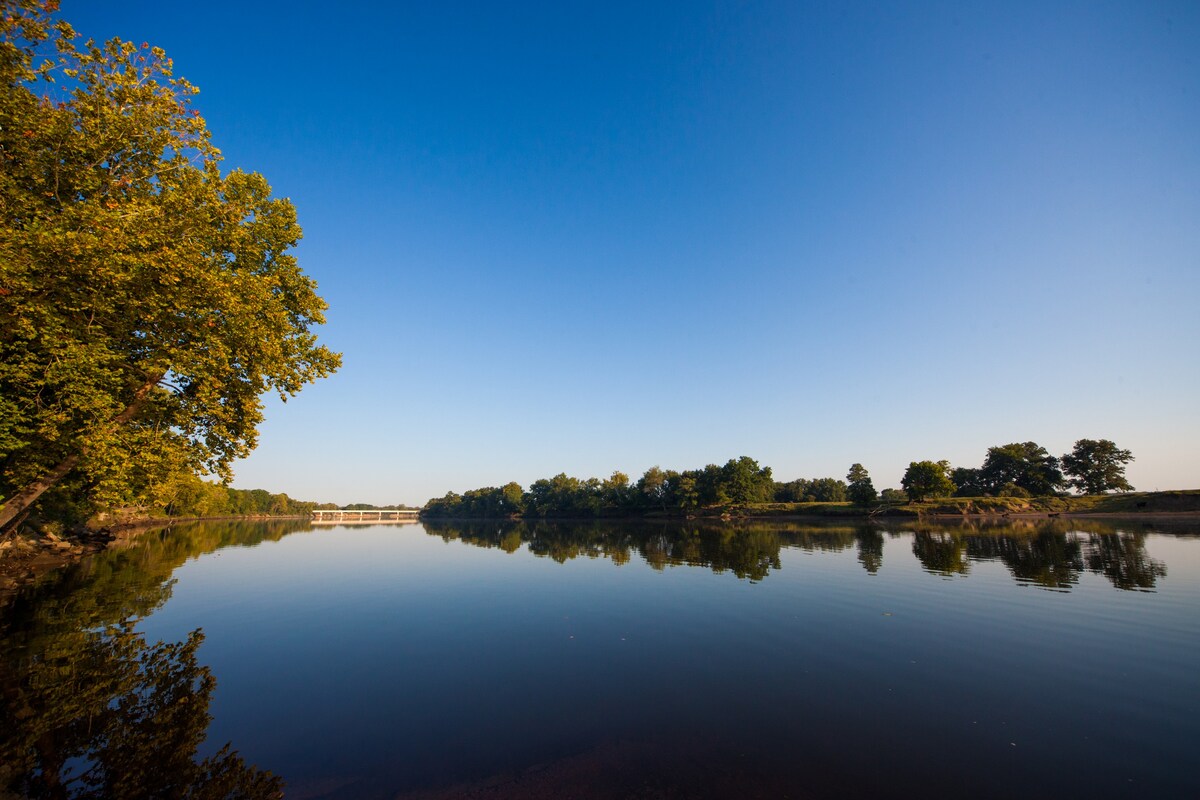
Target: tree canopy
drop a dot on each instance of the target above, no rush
(147, 299)
(815, 490)
(1097, 466)
(860, 491)
(738, 481)
(1025, 465)
(925, 479)
(1020, 469)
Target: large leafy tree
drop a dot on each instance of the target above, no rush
(1027, 465)
(745, 482)
(924, 479)
(652, 487)
(860, 490)
(147, 299)
(968, 482)
(1096, 466)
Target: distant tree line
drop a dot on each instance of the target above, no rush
(190, 496)
(739, 482)
(182, 494)
(1022, 469)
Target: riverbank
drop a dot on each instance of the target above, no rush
(1174, 503)
(24, 558)
(1136, 503)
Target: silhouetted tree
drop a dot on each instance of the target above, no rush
(860, 489)
(1026, 465)
(1097, 466)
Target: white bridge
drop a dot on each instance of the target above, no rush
(338, 515)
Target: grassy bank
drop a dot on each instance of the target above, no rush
(1183, 501)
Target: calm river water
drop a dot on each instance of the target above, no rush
(612, 660)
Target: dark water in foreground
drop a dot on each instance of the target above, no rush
(612, 660)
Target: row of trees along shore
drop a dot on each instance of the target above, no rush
(182, 495)
(1023, 469)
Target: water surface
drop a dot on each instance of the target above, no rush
(613, 660)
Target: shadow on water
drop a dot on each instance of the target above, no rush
(1051, 554)
(96, 710)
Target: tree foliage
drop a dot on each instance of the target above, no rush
(744, 481)
(968, 482)
(815, 490)
(187, 495)
(860, 490)
(147, 299)
(1019, 469)
(1025, 465)
(925, 479)
(488, 502)
(1097, 466)
(738, 481)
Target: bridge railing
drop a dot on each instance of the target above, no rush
(364, 515)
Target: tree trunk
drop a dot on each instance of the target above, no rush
(16, 506)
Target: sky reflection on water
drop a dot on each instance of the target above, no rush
(668, 660)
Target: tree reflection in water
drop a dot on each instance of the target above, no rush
(748, 551)
(1052, 560)
(941, 553)
(110, 715)
(1050, 554)
(92, 709)
(1123, 560)
(870, 548)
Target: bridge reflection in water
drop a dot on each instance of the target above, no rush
(338, 515)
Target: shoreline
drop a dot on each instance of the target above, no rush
(942, 516)
(24, 560)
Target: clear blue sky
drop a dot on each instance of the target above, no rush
(584, 237)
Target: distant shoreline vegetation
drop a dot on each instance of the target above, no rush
(190, 496)
(196, 498)
(1021, 476)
